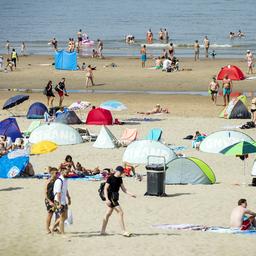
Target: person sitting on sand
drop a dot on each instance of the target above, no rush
(158, 63)
(197, 139)
(156, 110)
(9, 64)
(68, 164)
(49, 197)
(241, 217)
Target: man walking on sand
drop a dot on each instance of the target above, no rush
(111, 193)
(61, 195)
(241, 217)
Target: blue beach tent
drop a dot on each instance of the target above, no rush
(10, 128)
(65, 60)
(154, 134)
(69, 117)
(13, 164)
(36, 111)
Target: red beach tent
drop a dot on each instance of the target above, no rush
(233, 72)
(99, 116)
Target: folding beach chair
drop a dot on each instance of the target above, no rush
(155, 134)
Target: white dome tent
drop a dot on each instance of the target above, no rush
(59, 133)
(217, 141)
(138, 151)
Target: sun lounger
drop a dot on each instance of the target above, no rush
(128, 136)
(87, 135)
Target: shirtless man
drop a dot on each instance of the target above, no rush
(214, 88)
(249, 57)
(149, 37)
(161, 35)
(239, 216)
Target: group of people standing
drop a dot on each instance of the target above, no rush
(58, 199)
(163, 36)
(206, 47)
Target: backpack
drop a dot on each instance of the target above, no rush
(57, 89)
(50, 188)
(101, 191)
(45, 91)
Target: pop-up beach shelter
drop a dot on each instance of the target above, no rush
(12, 164)
(236, 109)
(36, 111)
(189, 170)
(59, 133)
(138, 152)
(106, 139)
(233, 73)
(217, 141)
(10, 128)
(69, 117)
(65, 60)
(99, 116)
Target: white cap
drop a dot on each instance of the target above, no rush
(248, 50)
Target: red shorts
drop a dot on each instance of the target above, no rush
(246, 225)
(61, 93)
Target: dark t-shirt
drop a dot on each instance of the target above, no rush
(114, 183)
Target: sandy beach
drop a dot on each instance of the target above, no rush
(22, 218)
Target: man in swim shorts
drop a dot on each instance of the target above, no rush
(227, 87)
(111, 193)
(214, 88)
(241, 217)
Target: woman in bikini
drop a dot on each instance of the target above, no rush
(89, 75)
(227, 87)
(253, 110)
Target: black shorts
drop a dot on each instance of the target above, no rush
(214, 92)
(114, 204)
(80, 39)
(253, 110)
(49, 207)
(61, 209)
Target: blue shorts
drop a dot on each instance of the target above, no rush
(226, 91)
(143, 57)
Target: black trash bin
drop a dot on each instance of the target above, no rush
(155, 180)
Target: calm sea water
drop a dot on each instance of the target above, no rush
(37, 21)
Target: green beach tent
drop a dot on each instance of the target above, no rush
(236, 109)
(189, 170)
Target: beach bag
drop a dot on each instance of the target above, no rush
(57, 89)
(101, 191)
(69, 220)
(45, 91)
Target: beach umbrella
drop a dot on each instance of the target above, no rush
(79, 105)
(43, 147)
(113, 105)
(14, 101)
(240, 149)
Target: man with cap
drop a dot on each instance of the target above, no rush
(111, 193)
(249, 58)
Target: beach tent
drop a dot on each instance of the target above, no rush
(233, 72)
(106, 139)
(59, 133)
(236, 109)
(65, 60)
(43, 147)
(138, 151)
(189, 170)
(32, 127)
(69, 117)
(99, 116)
(36, 111)
(10, 128)
(13, 163)
(217, 141)
(154, 134)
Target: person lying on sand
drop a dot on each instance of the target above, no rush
(85, 171)
(241, 217)
(157, 109)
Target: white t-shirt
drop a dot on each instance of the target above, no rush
(61, 186)
(167, 63)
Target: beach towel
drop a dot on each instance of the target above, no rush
(145, 119)
(213, 229)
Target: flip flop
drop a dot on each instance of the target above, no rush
(127, 234)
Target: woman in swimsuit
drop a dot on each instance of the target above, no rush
(49, 94)
(249, 58)
(89, 75)
(253, 110)
(227, 87)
